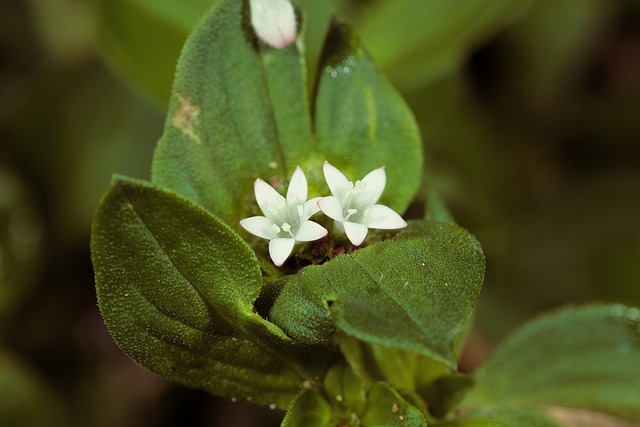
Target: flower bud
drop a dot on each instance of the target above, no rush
(274, 21)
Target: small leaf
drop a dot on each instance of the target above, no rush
(402, 369)
(238, 111)
(385, 407)
(361, 121)
(501, 417)
(345, 389)
(309, 409)
(176, 289)
(414, 293)
(583, 357)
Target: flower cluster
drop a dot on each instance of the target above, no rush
(352, 206)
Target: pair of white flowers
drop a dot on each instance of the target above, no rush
(353, 207)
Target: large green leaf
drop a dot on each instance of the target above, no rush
(416, 42)
(176, 288)
(238, 111)
(585, 357)
(361, 122)
(414, 293)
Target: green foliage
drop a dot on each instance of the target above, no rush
(583, 357)
(176, 288)
(238, 111)
(386, 408)
(308, 409)
(359, 115)
(222, 131)
(177, 285)
(414, 293)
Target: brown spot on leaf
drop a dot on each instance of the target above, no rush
(185, 117)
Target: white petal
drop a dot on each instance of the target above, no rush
(375, 182)
(310, 208)
(355, 232)
(274, 21)
(280, 249)
(297, 191)
(330, 206)
(259, 226)
(337, 182)
(383, 217)
(266, 195)
(310, 231)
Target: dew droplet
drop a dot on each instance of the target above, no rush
(339, 398)
(234, 400)
(633, 314)
(272, 406)
(617, 310)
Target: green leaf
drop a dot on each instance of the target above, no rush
(238, 111)
(361, 121)
(386, 408)
(176, 289)
(402, 369)
(308, 409)
(345, 389)
(143, 38)
(417, 42)
(501, 417)
(584, 357)
(414, 293)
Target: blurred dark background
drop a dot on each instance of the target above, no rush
(530, 113)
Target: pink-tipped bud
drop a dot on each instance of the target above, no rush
(274, 21)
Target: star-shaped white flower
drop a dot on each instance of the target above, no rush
(274, 21)
(353, 206)
(285, 221)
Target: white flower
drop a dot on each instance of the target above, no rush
(274, 21)
(353, 206)
(286, 221)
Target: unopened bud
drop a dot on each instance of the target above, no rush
(274, 21)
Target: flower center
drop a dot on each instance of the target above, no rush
(349, 213)
(285, 217)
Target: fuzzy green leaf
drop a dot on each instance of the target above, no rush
(414, 293)
(176, 289)
(361, 121)
(583, 357)
(238, 111)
